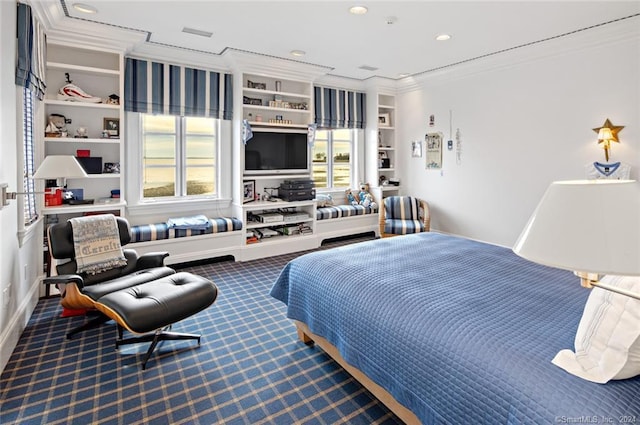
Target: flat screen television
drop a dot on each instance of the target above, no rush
(276, 152)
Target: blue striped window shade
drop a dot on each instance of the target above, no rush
(337, 108)
(161, 88)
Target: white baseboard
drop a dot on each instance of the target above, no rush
(12, 332)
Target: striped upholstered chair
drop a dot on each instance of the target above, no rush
(401, 215)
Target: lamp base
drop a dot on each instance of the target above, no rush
(590, 280)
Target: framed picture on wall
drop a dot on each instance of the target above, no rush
(248, 190)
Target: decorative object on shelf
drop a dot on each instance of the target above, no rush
(258, 118)
(113, 99)
(382, 180)
(111, 168)
(278, 85)
(311, 133)
(384, 120)
(112, 126)
(432, 120)
(56, 126)
(251, 101)
(379, 138)
(247, 134)
(254, 85)
(83, 152)
(433, 142)
(416, 149)
(57, 167)
(280, 121)
(248, 191)
(606, 134)
(81, 133)
(71, 92)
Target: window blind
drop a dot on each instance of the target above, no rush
(162, 88)
(336, 108)
(28, 185)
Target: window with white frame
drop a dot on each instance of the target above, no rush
(179, 156)
(28, 185)
(332, 158)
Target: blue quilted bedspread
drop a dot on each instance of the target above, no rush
(458, 331)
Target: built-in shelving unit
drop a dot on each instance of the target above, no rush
(98, 73)
(274, 102)
(387, 155)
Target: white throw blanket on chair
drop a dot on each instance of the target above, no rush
(96, 241)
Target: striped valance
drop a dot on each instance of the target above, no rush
(337, 108)
(161, 88)
(31, 52)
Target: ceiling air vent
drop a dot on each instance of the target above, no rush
(368, 68)
(194, 31)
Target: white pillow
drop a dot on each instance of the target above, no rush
(608, 338)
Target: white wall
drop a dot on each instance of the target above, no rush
(523, 126)
(20, 264)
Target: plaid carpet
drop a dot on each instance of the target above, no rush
(250, 368)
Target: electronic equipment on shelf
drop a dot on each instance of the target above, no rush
(270, 217)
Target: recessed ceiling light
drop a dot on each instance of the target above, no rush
(84, 8)
(443, 37)
(298, 52)
(358, 10)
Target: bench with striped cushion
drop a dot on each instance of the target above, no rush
(338, 211)
(159, 231)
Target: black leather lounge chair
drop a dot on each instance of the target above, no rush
(144, 296)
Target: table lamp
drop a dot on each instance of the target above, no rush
(59, 167)
(591, 227)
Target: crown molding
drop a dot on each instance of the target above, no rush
(244, 61)
(608, 34)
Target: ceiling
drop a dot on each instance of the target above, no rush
(395, 37)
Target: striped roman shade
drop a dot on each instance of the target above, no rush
(31, 52)
(337, 108)
(161, 88)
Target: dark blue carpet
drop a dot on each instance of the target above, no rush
(250, 368)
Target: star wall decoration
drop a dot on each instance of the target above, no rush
(615, 129)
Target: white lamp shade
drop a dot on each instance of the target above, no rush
(59, 166)
(590, 226)
(605, 134)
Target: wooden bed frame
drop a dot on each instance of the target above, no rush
(305, 335)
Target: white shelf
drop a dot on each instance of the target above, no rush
(386, 169)
(74, 209)
(277, 239)
(83, 69)
(260, 225)
(386, 107)
(386, 149)
(102, 176)
(390, 188)
(273, 124)
(275, 93)
(80, 140)
(268, 205)
(272, 109)
(81, 104)
(386, 127)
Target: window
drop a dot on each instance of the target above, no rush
(332, 158)
(28, 185)
(179, 156)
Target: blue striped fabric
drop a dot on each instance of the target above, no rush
(160, 88)
(402, 208)
(31, 52)
(339, 108)
(343, 211)
(159, 231)
(402, 215)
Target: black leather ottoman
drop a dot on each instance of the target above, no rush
(156, 305)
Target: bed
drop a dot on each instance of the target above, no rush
(446, 330)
